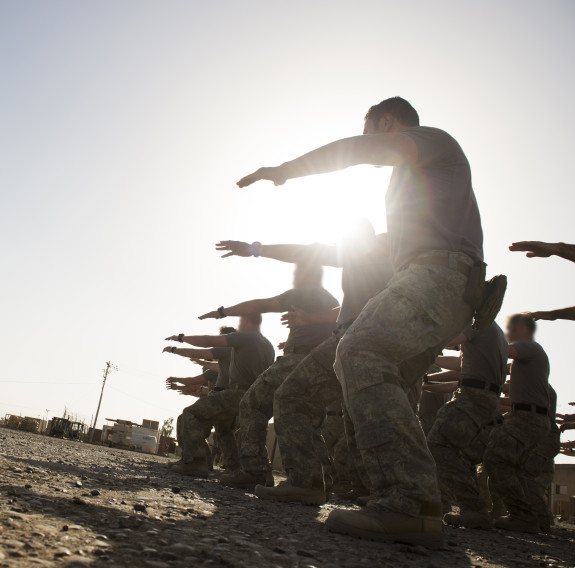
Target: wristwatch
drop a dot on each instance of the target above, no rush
(181, 338)
(221, 312)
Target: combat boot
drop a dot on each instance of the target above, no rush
(498, 511)
(196, 468)
(365, 500)
(375, 523)
(287, 493)
(545, 523)
(469, 520)
(244, 480)
(518, 524)
(354, 494)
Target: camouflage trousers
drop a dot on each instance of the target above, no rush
(457, 425)
(383, 354)
(539, 469)
(256, 409)
(333, 433)
(300, 411)
(509, 447)
(219, 408)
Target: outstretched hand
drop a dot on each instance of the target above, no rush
(276, 175)
(534, 248)
(211, 315)
(171, 383)
(233, 248)
(550, 316)
(295, 318)
(173, 338)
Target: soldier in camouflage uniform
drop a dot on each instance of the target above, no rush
(256, 407)
(483, 369)
(301, 401)
(511, 444)
(436, 244)
(251, 354)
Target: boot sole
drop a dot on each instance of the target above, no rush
(433, 541)
(314, 502)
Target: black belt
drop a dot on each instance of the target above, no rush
(300, 349)
(531, 408)
(333, 413)
(218, 389)
(479, 384)
(442, 260)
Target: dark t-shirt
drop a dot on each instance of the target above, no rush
(362, 278)
(431, 205)
(484, 355)
(251, 355)
(312, 300)
(529, 375)
(223, 356)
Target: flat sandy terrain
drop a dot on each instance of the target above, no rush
(69, 504)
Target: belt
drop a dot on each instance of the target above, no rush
(300, 349)
(333, 413)
(218, 389)
(441, 260)
(479, 384)
(531, 408)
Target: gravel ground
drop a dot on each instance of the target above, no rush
(69, 504)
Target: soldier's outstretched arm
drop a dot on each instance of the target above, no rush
(539, 249)
(388, 149)
(317, 253)
(248, 308)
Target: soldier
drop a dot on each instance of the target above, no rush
(475, 404)
(511, 443)
(300, 403)
(256, 407)
(540, 468)
(436, 244)
(251, 354)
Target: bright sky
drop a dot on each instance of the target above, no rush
(125, 125)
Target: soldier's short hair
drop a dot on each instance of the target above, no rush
(524, 319)
(227, 329)
(397, 107)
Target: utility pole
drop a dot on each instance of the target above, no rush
(109, 368)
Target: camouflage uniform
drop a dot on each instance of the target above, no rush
(457, 425)
(299, 412)
(507, 451)
(333, 432)
(383, 354)
(539, 469)
(256, 409)
(219, 407)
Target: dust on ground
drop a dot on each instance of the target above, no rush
(75, 505)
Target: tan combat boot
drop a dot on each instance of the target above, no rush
(243, 480)
(469, 520)
(287, 493)
(519, 524)
(196, 468)
(375, 523)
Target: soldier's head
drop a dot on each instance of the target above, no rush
(520, 327)
(307, 274)
(390, 115)
(250, 323)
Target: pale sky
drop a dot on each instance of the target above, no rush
(124, 126)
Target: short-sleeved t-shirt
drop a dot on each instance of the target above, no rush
(251, 355)
(529, 375)
(431, 205)
(223, 356)
(361, 279)
(313, 300)
(484, 355)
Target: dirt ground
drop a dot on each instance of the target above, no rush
(74, 505)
